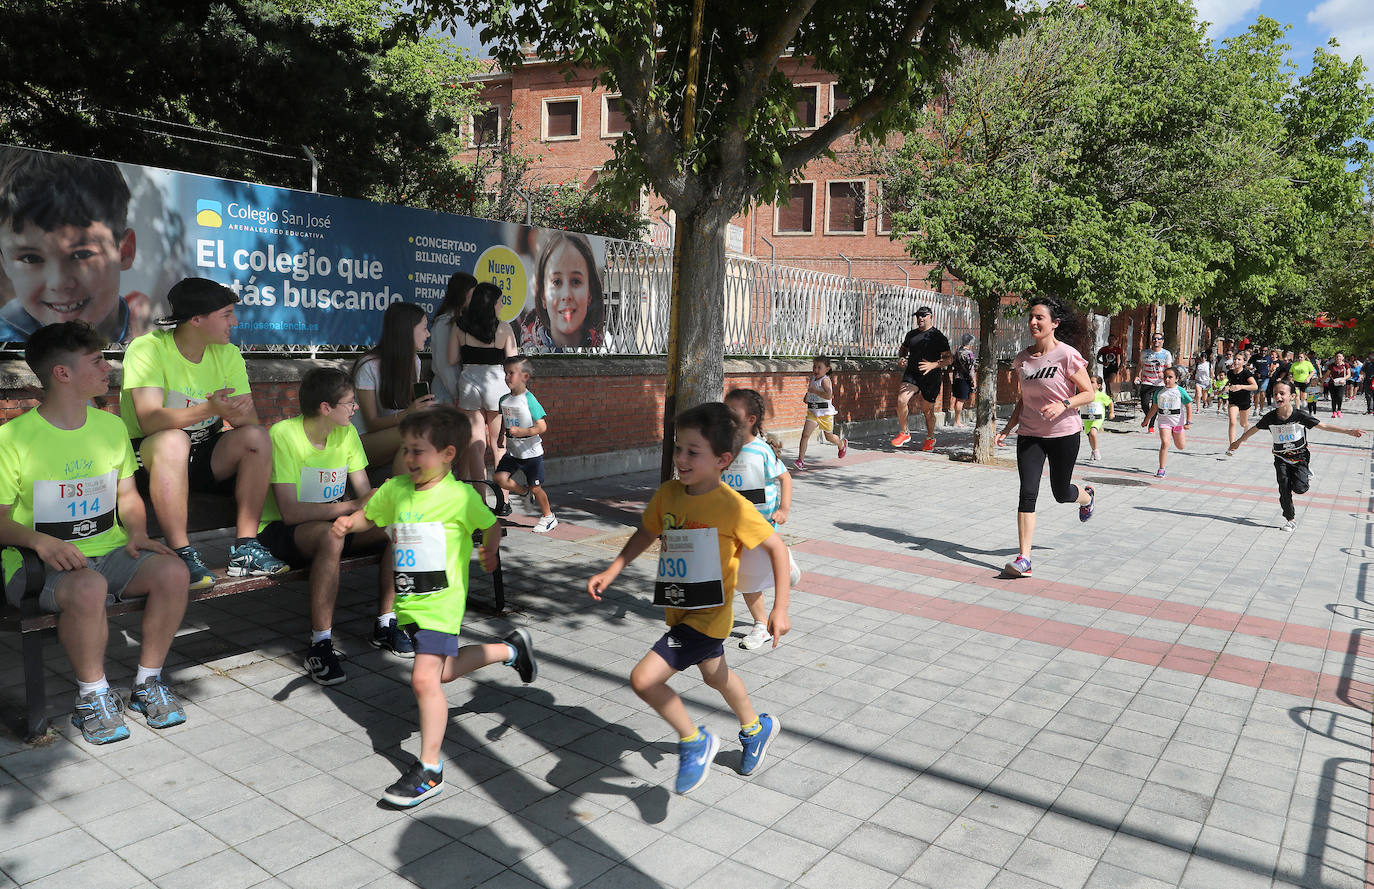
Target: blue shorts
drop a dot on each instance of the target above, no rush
(432, 641)
(684, 646)
(1264, 384)
(532, 467)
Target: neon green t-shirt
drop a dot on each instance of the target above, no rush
(153, 360)
(320, 476)
(431, 533)
(64, 482)
(1096, 410)
(1302, 371)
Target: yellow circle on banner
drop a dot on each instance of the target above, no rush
(502, 266)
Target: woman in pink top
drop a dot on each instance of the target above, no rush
(1054, 385)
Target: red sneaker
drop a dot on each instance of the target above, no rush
(844, 447)
(901, 439)
(929, 445)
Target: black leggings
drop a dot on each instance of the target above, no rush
(1031, 453)
(1147, 394)
(1337, 395)
(1294, 478)
(1369, 401)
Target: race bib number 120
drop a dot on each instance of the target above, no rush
(689, 570)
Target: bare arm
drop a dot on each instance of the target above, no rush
(784, 498)
(58, 554)
(778, 621)
(638, 543)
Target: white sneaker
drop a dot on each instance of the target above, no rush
(756, 638)
(793, 575)
(546, 524)
(1288, 525)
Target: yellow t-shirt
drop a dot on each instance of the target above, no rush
(64, 482)
(153, 360)
(738, 525)
(431, 536)
(320, 476)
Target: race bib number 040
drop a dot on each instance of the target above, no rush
(421, 558)
(689, 570)
(75, 509)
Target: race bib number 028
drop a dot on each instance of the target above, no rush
(75, 509)
(421, 558)
(689, 570)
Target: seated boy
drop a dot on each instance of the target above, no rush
(430, 517)
(180, 387)
(67, 492)
(522, 423)
(64, 240)
(316, 457)
(703, 525)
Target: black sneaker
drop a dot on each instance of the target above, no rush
(503, 508)
(322, 663)
(393, 639)
(415, 786)
(524, 664)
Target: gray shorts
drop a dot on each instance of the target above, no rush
(116, 566)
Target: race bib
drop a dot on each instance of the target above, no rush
(1288, 434)
(198, 431)
(1093, 411)
(75, 509)
(748, 480)
(689, 570)
(421, 556)
(322, 485)
(510, 415)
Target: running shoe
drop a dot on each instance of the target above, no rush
(393, 639)
(253, 559)
(694, 760)
(156, 701)
(322, 663)
(844, 448)
(756, 638)
(756, 745)
(1085, 511)
(798, 465)
(546, 524)
(503, 508)
(100, 716)
(794, 572)
(415, 786)
(901, 439)
(1159, 473)
(928, 444)
(1289, 525)
(524, 663)
(202, 578)
(1096, 457)
(1018, 567)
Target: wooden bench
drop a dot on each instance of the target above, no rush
(208, 514)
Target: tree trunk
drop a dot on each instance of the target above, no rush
(701, 322)
(985, 410)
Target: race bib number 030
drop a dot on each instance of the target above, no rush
(322, 485)
(689, 570)
(421, 558)
(75, 509)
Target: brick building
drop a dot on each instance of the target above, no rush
(836, 211)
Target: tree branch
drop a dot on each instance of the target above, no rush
(756, 68)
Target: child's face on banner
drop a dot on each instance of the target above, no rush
(566, 295)
(69, 273)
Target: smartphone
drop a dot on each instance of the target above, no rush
(420, 390)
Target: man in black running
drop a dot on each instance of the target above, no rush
(924, 355)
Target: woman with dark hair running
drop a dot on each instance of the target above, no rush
(445, 360)
(384, 379)
(484, 343)
(1054, 385)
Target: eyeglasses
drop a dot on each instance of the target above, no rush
(349, 404)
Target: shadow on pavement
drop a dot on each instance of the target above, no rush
(953, 550)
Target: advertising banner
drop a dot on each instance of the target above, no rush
(102, 241)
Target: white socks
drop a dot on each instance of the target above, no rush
(321, 635)
(85, 688)
(384, 620)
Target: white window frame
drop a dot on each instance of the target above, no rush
(500, 126)
(830, 109)
(813, 86)
(845, 233)
(777, 211)
(878, 216)
(544, 119)
(605, 111)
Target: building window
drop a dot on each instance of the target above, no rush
(839, 99)
(562, 119)
(886, 210)
(612, 116)
(808, 105)
(845, 207)
(797, 216)
(486, 127)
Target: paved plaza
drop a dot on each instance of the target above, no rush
(1180, 696)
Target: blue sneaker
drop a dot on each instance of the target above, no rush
(157, 702)
(756, 745)
(202, 578)
(100, 716)
(1085, 512)
(393, 639)
(253, 559)
(694, 760)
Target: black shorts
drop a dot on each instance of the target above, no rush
(200, 475)
(684, 646)
(927, 384)
(435, 642)
(532, 467)
(280, 540)
(961, 389)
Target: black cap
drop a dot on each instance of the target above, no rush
(190, 297)
(923, 310)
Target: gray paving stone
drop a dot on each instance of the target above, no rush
(939, 868)
(227, 869)
(1051, 863)
(50, 854)
(106, 871)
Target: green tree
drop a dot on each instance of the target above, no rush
(886, 56)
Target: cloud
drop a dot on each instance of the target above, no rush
(1352, 23)
(1225, 13)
